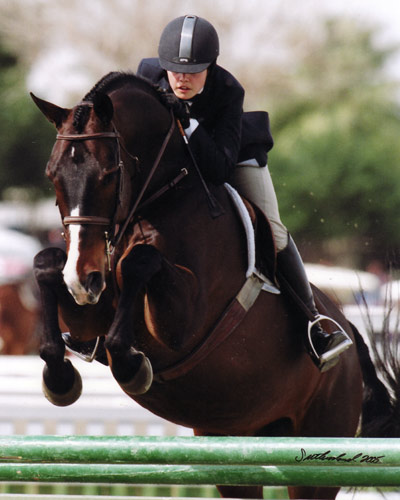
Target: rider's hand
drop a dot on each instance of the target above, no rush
(180, 108)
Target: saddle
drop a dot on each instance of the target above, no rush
(261, 246)
(265, 248)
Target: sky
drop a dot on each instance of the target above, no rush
(384, 12)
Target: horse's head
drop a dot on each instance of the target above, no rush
(85, 169)
(96, 177)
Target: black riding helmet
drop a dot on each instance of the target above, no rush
(188, 44)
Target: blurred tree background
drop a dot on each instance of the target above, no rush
(337, 149)
(23, 133)
(334, 108)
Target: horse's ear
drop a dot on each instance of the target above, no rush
(103, 107)
(53, 113)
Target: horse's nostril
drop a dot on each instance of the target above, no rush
(94, 283)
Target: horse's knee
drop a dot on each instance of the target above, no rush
(48, 265)
(62, 385)
(142, 262)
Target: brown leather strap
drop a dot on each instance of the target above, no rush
(228, 322)
(86, 219)
(87, 137)
(160, 154)
(183, 173)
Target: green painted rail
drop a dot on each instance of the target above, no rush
(202, 474)
(200, 450)
(201, 460)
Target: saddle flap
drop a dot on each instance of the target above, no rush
(264, 240)
(260, 240)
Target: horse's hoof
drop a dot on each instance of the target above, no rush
(142, 380)
(66, 398)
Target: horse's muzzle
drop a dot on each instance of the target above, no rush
(94, 284)
(89, 292)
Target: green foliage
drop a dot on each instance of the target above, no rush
(336, 157)
(25, 136)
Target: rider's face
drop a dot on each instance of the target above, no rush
(187, 85)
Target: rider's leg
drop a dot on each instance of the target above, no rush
(325, 347)
(255, 183)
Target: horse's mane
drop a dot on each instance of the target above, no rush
(109, 82)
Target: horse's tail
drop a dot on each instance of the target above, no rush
(381, 401)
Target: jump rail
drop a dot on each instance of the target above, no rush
(202, 460)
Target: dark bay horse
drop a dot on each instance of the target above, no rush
(149, 271)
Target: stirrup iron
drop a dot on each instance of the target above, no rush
(336, 351)
(85, 357)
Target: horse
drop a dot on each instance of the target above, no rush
(19, 318)
(19, 300)
(157, 280)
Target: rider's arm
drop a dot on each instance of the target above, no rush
(215, 141)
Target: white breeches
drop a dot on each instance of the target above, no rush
(255, 183)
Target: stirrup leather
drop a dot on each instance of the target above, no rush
(333, 353)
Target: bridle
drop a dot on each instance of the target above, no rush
(112, 243)
(93, 219)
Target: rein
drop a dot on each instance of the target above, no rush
(121, 232)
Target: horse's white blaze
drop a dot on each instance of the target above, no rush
(70, 271)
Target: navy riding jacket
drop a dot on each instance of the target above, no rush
(218, 108)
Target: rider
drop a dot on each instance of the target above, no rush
(209, 102)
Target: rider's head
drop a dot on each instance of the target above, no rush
(188, 44)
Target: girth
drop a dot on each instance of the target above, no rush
(226, 325)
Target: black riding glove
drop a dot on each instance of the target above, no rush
(179, 108)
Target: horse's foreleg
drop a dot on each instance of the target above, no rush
(131, 368)
(62, 384)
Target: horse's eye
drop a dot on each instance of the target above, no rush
(109, 177)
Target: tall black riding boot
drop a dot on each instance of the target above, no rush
(324, 348)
